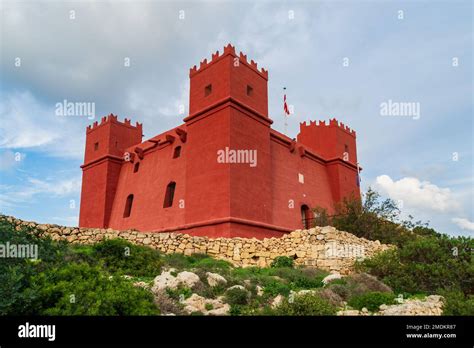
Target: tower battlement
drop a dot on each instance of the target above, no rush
(332, 123)
(112, 119)
(228, 50)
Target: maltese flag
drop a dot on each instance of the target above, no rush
(285, 106)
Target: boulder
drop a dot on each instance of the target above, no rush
(277, 301)
(214, 279)
(163, 281)
(197, 303)
(167, 280)
(331, 277)
(189, 279)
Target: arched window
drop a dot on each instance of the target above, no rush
(136, 167)
(177, 152)
(306, 216)
(169, 195)
(128, 206)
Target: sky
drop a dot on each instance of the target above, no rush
(341, 59)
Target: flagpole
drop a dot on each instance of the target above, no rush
(358, 176)
(285, 117)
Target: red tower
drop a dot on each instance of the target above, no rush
(105, 145)
(224, 172)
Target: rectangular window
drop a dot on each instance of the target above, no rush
(177, 152)
(128, 206)
(207, 90)
(169, 195)
(249, 90)
(300, 178)
(96, 146)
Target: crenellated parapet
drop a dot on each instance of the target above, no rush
(332, 123)
(113, 119)
(228, 50)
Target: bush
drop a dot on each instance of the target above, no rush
(166, 304)
(16, 273)
(371, 300)
(426, 264)
(357, 284)
(456, 303)
(375, 219)
(212, 265)
(178, 261)
(360, 283)
(197, 261)
(282, 261)
(179, 292)
(81, 289)
(341, 290)
(123, 257)
(236, 296)
(307, 304)
(274, 288)
(331, 296)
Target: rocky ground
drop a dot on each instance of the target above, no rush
(206, 283)
(171, 280)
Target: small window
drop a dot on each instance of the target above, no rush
(169, 195)
(177, 152)
(116, 144)
(96, 146)
(128, 206)
(300, 178)
(249, 90)
(207, 90)
(136, 167)
(346, 148)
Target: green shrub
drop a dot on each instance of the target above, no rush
(210, 264)
(307, 304)
(123, 257)
(178, 261)
(282, 261)
(371, 300)
(236, 296)
(179, 292)
(81, 289)
(341, 290)
(456, 303)
(16, 273)
(302, 282)
(211, 291)
(331, 296)
(274, 288)
(426, 264)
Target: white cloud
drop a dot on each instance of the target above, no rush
(60, 188)
(418, 194)
(463, 224)
(29, 124)
(23, 122)
(11, 196)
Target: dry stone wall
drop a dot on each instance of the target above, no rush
(322, 247)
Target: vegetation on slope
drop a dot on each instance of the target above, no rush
(72, 279)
